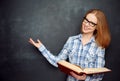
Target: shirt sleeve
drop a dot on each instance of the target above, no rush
(52, 58)
(100, 62)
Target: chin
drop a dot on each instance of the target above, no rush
(87, 31)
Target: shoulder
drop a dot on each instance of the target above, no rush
(72, 39)
(75, 37)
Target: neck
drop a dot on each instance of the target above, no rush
(87, 36)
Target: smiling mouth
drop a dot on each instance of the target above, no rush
(86, 28)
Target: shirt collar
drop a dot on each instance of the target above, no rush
(91, 40)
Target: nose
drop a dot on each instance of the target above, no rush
(87, 24)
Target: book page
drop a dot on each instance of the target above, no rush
(96, 70)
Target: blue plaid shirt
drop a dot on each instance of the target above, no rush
(89, 55)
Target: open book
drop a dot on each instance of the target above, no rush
(67, 67)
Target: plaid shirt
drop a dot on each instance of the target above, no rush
(89, 55)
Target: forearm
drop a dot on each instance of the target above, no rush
(48, 55)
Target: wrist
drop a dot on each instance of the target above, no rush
(41, 47)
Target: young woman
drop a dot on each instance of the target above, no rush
(86, 49)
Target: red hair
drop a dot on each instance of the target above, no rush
(102, 33)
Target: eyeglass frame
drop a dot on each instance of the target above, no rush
(89, 22)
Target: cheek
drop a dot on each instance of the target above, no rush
(93, 29)
(82, 27)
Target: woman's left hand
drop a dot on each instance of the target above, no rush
(36, 44)
(79, 77)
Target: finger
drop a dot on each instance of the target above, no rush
(84, 75)
(73, 74)
(31, 41)
(38, 41)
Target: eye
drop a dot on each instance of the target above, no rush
(89, 22)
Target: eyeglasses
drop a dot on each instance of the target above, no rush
(89, 22)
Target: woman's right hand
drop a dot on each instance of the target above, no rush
(36, 44)
(79, 77)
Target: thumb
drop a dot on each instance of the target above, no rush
(38, 41)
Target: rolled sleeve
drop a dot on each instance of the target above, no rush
(42, 48)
